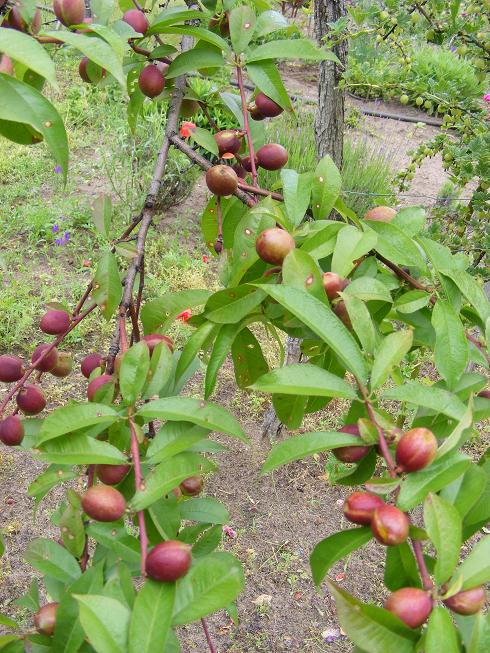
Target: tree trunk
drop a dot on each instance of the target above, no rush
(329, 120)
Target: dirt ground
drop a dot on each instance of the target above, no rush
(278, 518)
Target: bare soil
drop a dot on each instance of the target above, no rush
(278, 518)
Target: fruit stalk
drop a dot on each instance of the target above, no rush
(419, 557)
(75, 322)
(246, 125)
(382, 440)
(139, 485)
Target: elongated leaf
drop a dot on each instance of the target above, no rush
(322, 321)
(351, 244)
(233, 304)
(173, 16)
(80, 449)
(301, 271)
(326, 185)
(303, 49)
(269, 21)
(464, 492)
(54, 475)
(373, 629)
(395, 245)
(304, 379)
(151, 617)
(362, 322)
(290, 410)
(248, 359)
(23, 48)
(221, 348)
(102, 214)
(391, 352)
(443, 524)
(450, 337)
(401, 568)
(52, 559)
(242, 25)
(441, 635)
(304, 445)
(199, 33)
(162, 312)
(336, 547)
(105, 622)
(74, 417)
(471, 289)
(267, 78)
(185, 62)
(21, 104)
(202, 413)
(460, 433)
(160, 371)
(194, 345)
(107, 288)
(205, 509)
(321, 242)
(115, 538)
(134, 369)
(367, 288)
(173, 438)
(168, 475)
(437, 399)
(212, 583)
(205, 139)
(475, 568)
(296, 190)
(416, 486)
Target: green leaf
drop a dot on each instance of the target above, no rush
(459, 434)
(400, 568)
(441, 634)
(96, 49)
(27, 51)
(22, 104)
(395, 245)
(205, 139)
(160, 371)
(54, 475)
(326, 184)
(107, 288)
(134, 369)
(202, 413)
(464, 492)
(105, 622)
(472, 290)
(161, 312)
(302, 49)
(80, 449)
(248, 359)
(411, 220)
(204, 509)
(6, 621)
(367, 288)
(269, 21)
(296, 189)
(185, 62)
(362, 323)
(74, 417)
(30, 600)
(321, 242)
(168, 475)
(299, 270)
(151, 617)
(411, 301)
(389, 354)
(173, 438)
(52, 559)
(199, 33)
(172, 16)
(322, 321)
(211, 584)
(102, 214)
(194, 345)
(436, 399)
(304, 379)
(334, 548)
(352, 244)
(361, 473)
(267, 78)
(221, 348)
(450, 337)
(475, 568)
(417, 485)
(290, 410)
(242, 25)
(115, 538)
(233, 304)
(304, 445)
(373, 629)
(443, 524)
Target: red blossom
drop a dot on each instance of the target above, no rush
(187, 128)
(185, 315)
(205, 258)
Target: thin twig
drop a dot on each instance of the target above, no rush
(211, 645)
(246, 125)
(382, 440)
(424, 572)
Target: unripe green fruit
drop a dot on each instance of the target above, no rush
(419, 101)
(389, 525)
(137, 20)
(416, 449)
(55, 322)
(11, 368)
(360, 506)
(192, 486)
(169, 561)
(98, 383)
(384, 15)
(333, 283)
(64, 365)
(103, 503)
(380, 214)
(69, 12)
(404, 99)
(267, 107)
(272, 156)
(30, 399)
(410, 604)
(112, 474)
(227, 141)
(48, 361)
(222, 180)
(45, 619)
(273, 245)
(151, 81)
(468, 601)
(154, 339)
(428, 104)
(11, 431)
(91, 363)
(351, 453)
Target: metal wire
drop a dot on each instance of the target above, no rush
(395, 194)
